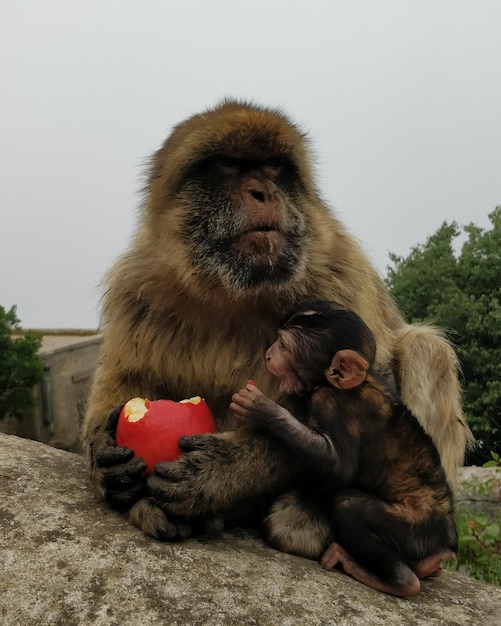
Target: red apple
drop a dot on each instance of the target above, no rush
(152, 428)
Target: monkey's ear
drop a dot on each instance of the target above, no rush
(348, 369)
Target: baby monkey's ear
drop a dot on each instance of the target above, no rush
(348, 369)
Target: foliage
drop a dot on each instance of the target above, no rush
(495, 460)
(479, 553)
(20, 366)
(461, 292)
(479, 535)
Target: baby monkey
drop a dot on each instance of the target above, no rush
(385, 489)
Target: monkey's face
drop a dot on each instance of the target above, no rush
(244, 225)
(280, 363)
(231, 194)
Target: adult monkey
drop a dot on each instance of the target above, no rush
(233, 233)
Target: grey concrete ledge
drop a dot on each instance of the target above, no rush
(67, 559)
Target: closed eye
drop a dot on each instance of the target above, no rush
(274, 162)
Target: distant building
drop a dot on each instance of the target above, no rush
(70, 358)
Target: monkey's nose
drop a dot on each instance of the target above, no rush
(257, 195)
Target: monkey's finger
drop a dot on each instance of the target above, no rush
(125, 474)
(243, 393)
(113, 416)
(171, 529)
(241, 401)
(235, 408)
(189, 443)
(183, 529)
(171, 486)
(169, 470)
(123, 499)
(147, 515)
(242, 408)
(111, 455)
(166, 530)
(252, 388)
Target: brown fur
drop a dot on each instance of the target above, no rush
(174, 330)
(298, 526)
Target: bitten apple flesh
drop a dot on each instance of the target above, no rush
(152, 428)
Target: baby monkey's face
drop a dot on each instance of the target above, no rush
(280, 363)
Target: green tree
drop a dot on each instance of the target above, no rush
(20, 366)
(461, 292)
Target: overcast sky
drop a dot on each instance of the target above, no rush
(401, 98)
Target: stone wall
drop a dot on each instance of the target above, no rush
(69, 363)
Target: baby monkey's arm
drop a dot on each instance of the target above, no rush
(253, 408)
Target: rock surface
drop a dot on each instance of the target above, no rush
(67, 559)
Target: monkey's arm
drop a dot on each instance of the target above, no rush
(115, 473)
(314, 447)
(218, 473)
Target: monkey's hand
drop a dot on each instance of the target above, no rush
(251, 407)
(218, 473)
(115, 471)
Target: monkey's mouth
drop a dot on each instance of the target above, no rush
(262, 241)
